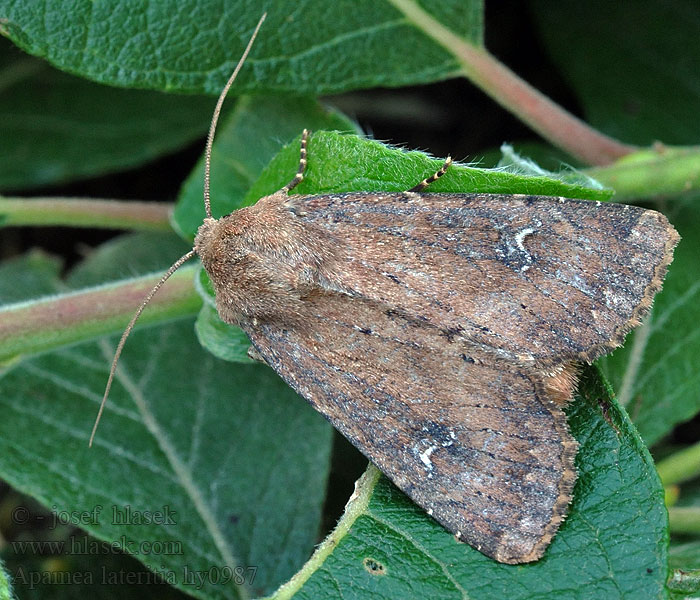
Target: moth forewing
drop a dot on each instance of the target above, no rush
(439, 334)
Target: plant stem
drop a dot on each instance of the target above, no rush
(86, 212)
(547, 118)
(661, 171)
(684, 519)
(43, 325)
(680, 466)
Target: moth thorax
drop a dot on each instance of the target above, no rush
(258, 269)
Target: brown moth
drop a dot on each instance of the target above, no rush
(440, 332)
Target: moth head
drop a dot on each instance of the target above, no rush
(224, 247)
(218, 239)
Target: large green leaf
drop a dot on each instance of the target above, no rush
(193, 45)
(56, 128)
(612, 545)
(42, 553)
(215, 446)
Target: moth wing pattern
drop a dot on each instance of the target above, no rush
(437, 332)
(434, 418)
(539, 280)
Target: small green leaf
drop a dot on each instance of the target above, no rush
(224, 341)
(612, 544)
(347, 163)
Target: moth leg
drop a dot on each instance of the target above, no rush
(298, 178)
(426, 182)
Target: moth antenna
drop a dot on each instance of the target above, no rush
(178, 263)
(217, 111)
(299, 177)
(426, 182)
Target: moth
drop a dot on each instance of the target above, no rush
(439, 333)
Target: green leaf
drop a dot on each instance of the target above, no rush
(36, 564)
(612, 544)
(215, 446)
(347, 163)
(224, 341)
(655, 373)
(56, 128)
(639, 79)
(193, 45)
